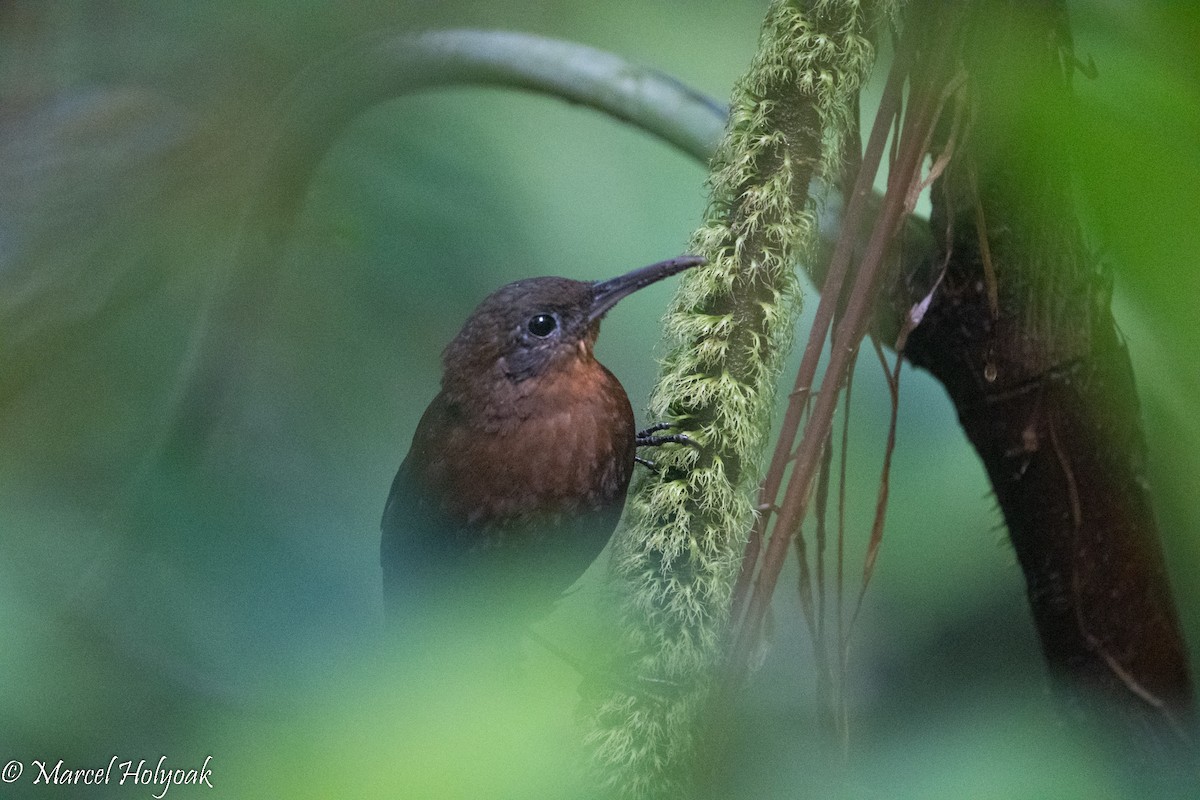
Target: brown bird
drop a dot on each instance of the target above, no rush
(518, 469)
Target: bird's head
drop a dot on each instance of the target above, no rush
(523, 329)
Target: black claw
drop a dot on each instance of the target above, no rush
(646, 438)
(655, 441)
(655, 428)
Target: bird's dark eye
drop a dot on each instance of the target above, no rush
(542, 325)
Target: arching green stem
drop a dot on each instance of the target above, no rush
(318, 107)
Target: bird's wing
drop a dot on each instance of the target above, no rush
(414, 529)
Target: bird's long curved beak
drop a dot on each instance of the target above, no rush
(607, 294)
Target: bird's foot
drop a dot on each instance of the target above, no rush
(647, 437)
(650, 438)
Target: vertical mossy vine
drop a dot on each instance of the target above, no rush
(728, 332)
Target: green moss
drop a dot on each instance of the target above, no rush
(728, 332)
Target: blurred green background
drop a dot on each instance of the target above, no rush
(227, 604)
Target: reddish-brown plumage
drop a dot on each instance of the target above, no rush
(518, 469)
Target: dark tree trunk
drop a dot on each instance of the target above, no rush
(1021, 335)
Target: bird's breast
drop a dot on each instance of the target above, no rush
(554, 445)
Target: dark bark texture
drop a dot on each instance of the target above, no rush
(1021, 335)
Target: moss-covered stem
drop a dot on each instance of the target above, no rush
(729, 330)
